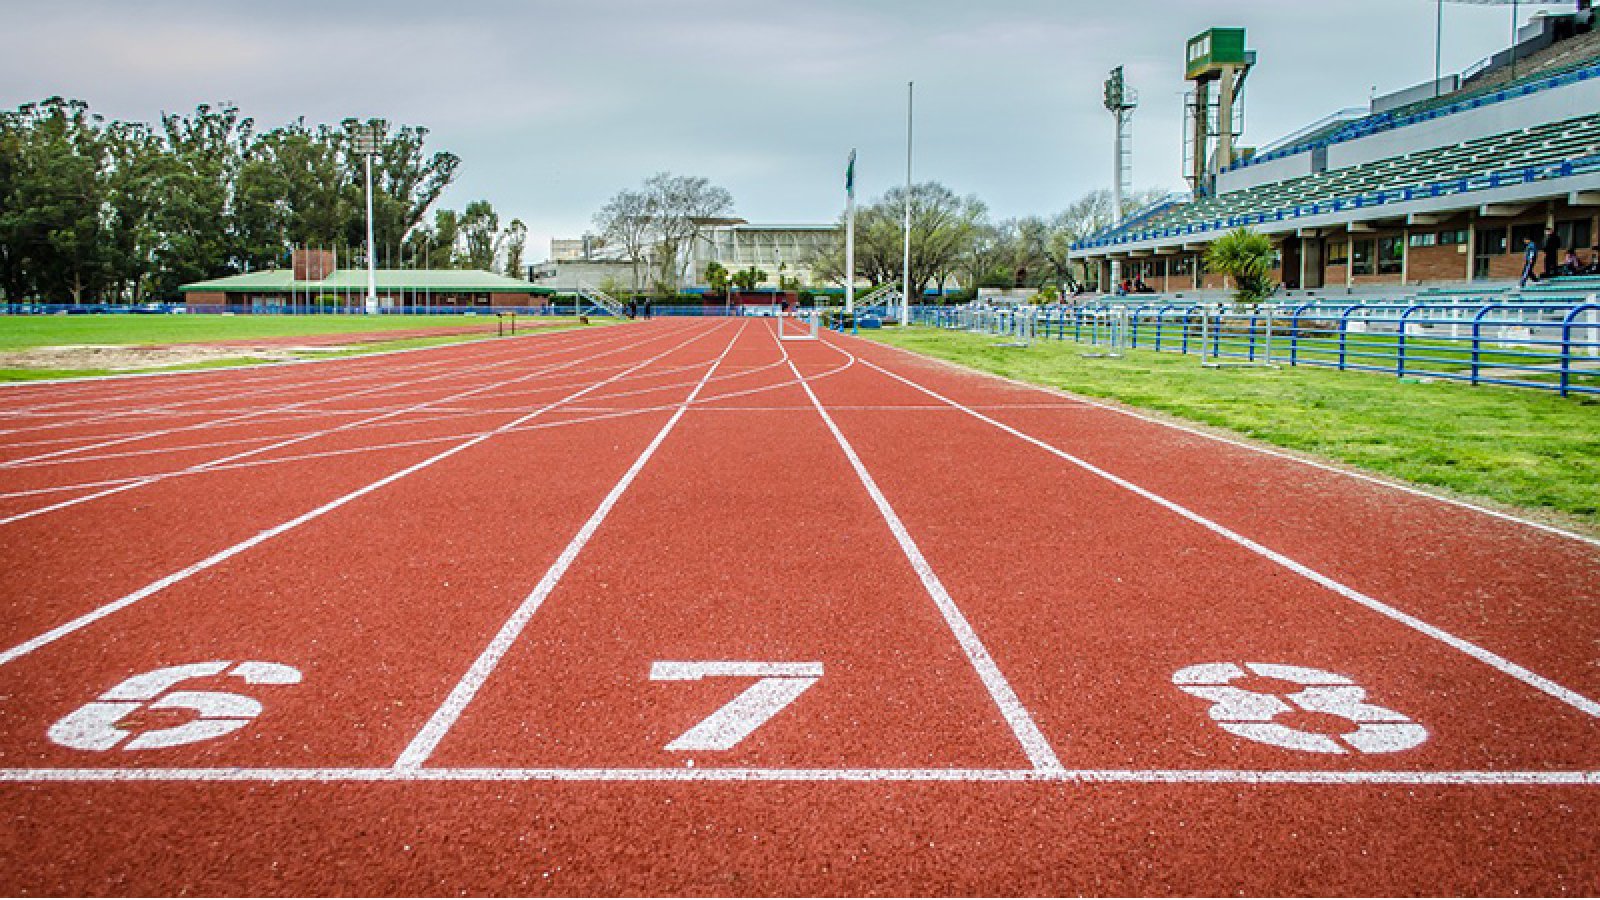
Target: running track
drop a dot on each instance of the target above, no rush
(676, 607)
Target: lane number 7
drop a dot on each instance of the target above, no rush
(779, 685)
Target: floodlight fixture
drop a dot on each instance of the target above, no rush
(365, 140)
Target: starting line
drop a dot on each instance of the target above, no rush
(1070, 776)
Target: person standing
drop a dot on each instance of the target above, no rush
(1552, 253)
(1530, 255)
(648, 303)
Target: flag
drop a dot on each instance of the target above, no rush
(850, 175)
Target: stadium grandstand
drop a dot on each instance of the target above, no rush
(1443, 183)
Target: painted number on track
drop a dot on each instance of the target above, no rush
(95, 725)
(779, 685)
(1251, 714)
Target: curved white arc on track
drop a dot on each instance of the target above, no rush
(1526, 676)
(1034, 745)
(124, 602)
(700, 403)
(385, 386)
(212, 465)
(445, 717)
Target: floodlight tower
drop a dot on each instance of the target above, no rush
(1215, 55)
(1121, 101)
(365, 140)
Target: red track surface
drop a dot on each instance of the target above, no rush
(973, 598)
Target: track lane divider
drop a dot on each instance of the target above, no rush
(89, 618)
(1034, 745)
(1450, 778)
(210, 465)
(439, 724)
(1526, 676)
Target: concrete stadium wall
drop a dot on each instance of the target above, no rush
(1550, 105)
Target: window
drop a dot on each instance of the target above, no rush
(1338, 253)
(1492, 242)
(1522, 234)
(1574, 234)
(1453, 237)
(1391, 254)
(1361, 257)
(1183, 265)
(1424, 239)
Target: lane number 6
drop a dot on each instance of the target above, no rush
(94, 726)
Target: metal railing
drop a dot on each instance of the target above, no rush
(1546, 345)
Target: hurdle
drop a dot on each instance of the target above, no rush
(805, 325)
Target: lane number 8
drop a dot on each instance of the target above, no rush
(1251, 714)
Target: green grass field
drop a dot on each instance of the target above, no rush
(21, 333)
(1514, 447)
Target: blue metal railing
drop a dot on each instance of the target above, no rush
(1551, 344)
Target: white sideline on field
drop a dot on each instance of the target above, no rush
(1451, 778)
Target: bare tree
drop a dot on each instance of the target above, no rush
(627, 222)
(683, 206)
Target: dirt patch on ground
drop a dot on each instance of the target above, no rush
(126, 358)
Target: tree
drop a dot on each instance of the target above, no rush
(717, 277)
(516, 243)
(52, 222)
(682, 206)
(1245, 256)
(626, 222)
(481, 239)
(942, 228)
(747, 279)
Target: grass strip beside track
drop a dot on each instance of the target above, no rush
(20, 332)
(1521, 448)
(25, 332)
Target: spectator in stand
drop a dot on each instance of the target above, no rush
(1530, 255)
(1552, 252)
(1570, 265)
(1593, 268)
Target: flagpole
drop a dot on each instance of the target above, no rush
(850, 241)
(905, 294)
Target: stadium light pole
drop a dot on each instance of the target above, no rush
(905, 263)
(850, 240)
(366, 139)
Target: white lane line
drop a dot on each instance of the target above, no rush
(1487, 657)
(210, 465)
(1446, 778)
(439, 724)
(1268, 451)
(1027, 732)
(383, 386)
(699, 405)
(101, 612)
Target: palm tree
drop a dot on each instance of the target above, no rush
(1246, 257)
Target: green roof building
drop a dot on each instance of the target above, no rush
(314, 283)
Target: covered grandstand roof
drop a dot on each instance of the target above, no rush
(1554, 150)
(466, 281)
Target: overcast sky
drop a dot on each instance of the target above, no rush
(553, 107)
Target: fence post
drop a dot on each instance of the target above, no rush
(1344, 332)
(1400, 342)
